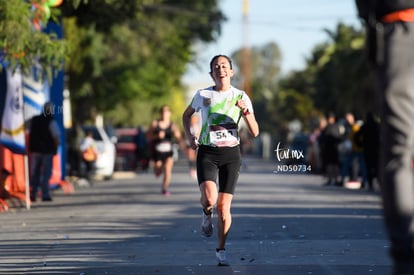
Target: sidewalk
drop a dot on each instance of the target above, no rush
(282, 224)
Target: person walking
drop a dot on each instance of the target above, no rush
(44, 139)
(218, 156)
(161, 135)
(390, 42)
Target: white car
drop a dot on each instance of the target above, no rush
(105, 163)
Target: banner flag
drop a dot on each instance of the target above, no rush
(12, 134)
(35, 93)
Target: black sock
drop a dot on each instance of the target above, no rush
(218, 249)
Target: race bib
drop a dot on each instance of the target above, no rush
(163, 147)
(224, 135)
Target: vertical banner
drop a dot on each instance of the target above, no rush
(35, 92)
(12, 134)
(57, 96)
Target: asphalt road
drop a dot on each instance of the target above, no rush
(282, 224)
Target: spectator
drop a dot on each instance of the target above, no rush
(329, 141)
(314, 152)
(390, 41)
(353, 161)
(89, 154)
(368, 139)
(44, 139)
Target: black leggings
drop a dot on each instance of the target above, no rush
(223, 162)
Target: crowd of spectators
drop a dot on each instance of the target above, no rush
(345, 150)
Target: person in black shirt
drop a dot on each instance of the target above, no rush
(43, 143)
(329, 140)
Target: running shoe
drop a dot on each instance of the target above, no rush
(166, 193)
(207, 224)
(221, 257)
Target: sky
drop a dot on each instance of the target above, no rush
(296, 26)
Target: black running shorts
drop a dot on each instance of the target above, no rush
(219, 162)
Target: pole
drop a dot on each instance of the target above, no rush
(246, 70)
(27, 183)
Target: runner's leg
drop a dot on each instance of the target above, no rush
(167, 167)
(223, 218)
(209, 194)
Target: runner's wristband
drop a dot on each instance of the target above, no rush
(245, 113)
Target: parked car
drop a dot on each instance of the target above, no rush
(126, 149)
(105, 163)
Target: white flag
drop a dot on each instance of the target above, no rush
(12, 133)
(35, 93)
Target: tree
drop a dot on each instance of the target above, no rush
(340, 73)
(336, 77)
(131, 50)
(22, 42)
(114, 51)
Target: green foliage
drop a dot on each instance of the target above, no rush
(23, 45)
(136, 112)
(132, 51)
(115, 52)
(336, 78)
(341, 74)
(125, 58)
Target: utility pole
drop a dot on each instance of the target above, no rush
(246, 69)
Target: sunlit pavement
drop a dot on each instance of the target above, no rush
(282, 224)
